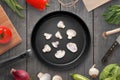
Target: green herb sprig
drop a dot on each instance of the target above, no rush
(112, 15)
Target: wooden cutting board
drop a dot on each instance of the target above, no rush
(16, 39)
(92, 4)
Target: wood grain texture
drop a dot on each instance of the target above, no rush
(101, 45)
(33, 15)
(20, 25)
(16, 39)
(81, 11)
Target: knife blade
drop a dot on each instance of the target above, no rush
(111, 49)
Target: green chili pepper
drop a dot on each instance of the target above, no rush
(79, 77)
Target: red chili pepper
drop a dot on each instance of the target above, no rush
(5, 35)
(38, 4)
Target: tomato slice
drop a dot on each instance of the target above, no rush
(5, 35)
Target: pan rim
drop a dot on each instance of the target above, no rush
(84, 50)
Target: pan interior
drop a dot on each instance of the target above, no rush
(48, 24)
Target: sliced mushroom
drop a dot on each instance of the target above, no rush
(60, 54)
(46, 48)
(55, 44)
(72, 47)
(71, 33)
(57, 77)
(58, 35)
(60, 24)
(47, 35)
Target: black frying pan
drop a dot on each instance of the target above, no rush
(48, 24)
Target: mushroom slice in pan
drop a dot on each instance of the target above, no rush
(58, 35)
(71, 33)
(47, 35)
(61, 24)
(72, 47)
(55, 44)
(60, 54)
(46, 48)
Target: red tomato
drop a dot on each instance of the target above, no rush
(5, 35)
(38, 4)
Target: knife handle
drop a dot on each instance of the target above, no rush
(17, 57)
(110, 51)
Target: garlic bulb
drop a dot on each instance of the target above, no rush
(40, 74)
(57, 77)
(93, 72)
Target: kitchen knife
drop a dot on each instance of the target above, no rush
(17, 57)
(111, 49)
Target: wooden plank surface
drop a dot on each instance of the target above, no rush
(80, 10)
(16, 39)
(94, 21)
(34, 65)
(101, 45)
(20, 25)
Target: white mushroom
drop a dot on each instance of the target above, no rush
(40, 74)
(71, 33)
(57, 77)
(72, 47)
(60, 24)
(45, 76)
(46, 48)
(55, 44)
(58, 35)
(47, 35)
(60, 54)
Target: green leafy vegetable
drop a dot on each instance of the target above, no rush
(112, 15)
(110, 72)
(14, 6)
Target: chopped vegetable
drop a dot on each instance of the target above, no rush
(79, 77)
(58, 35)
(72, 47)
(60, 54)
(57, 77)
(110, 72)
(112, 15)
(61, 24)
(20, 74)
(93, 72)
(47, 35)
(71, 33)
(38, 4)
(13, 4)
(5, 35)
(46, 48)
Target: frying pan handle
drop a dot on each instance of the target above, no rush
(110, 51)
(17, 57)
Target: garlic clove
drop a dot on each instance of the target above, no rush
(46, 48)
(47, 35)
(61, 24)
(93, 72)
(57, 77)
(58, 35)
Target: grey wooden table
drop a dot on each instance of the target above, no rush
(95, 23)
